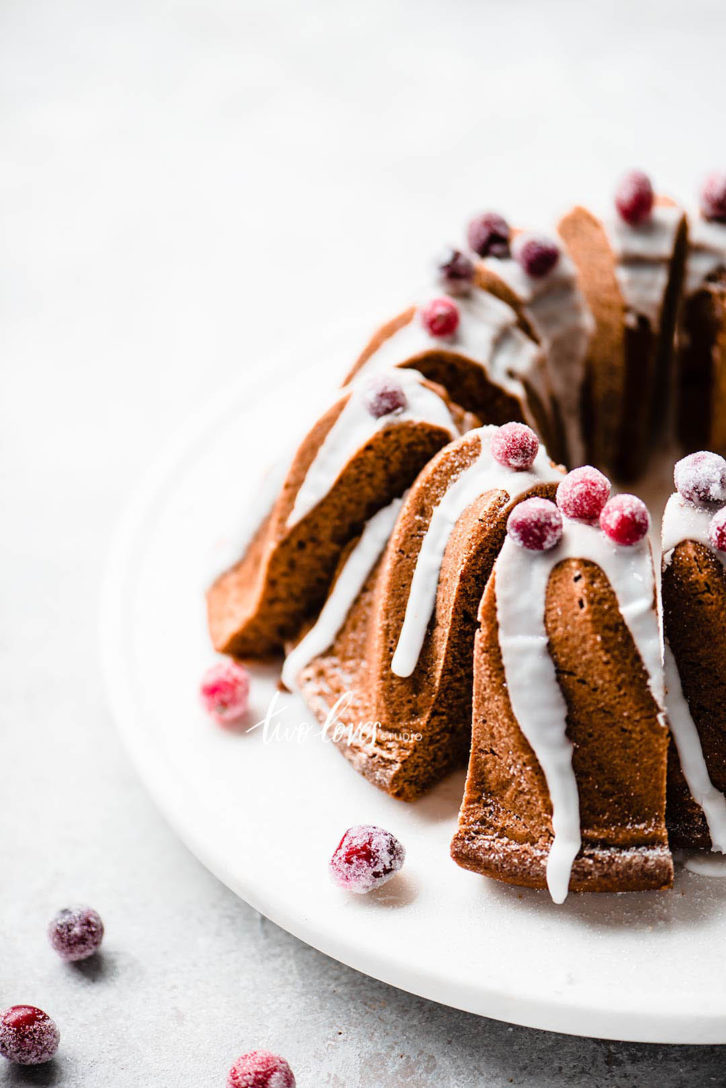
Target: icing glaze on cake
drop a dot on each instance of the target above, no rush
(706, 251)
(643, 258)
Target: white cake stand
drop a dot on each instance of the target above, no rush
(265, 816)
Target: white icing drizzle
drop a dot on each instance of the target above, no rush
(557, 311)
(643, 258)
(683, 521)
(537, 702)
(484, 475)
(487, 334)
(350, 581)
(690, 754)
(706, 864)
(706, 251)
(355, 426)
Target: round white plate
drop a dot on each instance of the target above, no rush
(264, 813)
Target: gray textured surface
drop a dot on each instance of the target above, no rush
(182, 186)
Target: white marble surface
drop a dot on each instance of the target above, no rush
(182, 187)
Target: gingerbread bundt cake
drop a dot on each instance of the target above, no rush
(393, 644)
(420, 578)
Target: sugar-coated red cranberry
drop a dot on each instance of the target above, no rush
(440, 317)
(515, 445)
(224, 692)
(456, 271)
(488, 235)
(383, 395)
(717, 530)
(701, 478)
(28, 1036)
(583, 493)
(634, 197)
(625, 519)
(76, 933)
(260, 1069)
(365, 858)
(713, 197)
(535, 524)
(537, 256)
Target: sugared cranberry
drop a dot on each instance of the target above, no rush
(515, 445)
(365, 858)
(440, 317)
(76, 933)
(260, 1069)
(713, 197)
(537, 256)
(224, 692)
(456, 271)
(535, 524)
(701, 478)
(28, 1036)
(625, 519)
(634, 197)
(717, 530)
(488, 235)
(384, 395)
(583, 493)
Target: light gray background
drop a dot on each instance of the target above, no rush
(183, 188)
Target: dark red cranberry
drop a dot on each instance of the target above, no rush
(456, 272)
(28, 1036)
(713, 197)
(365, 858)
(717, 530)
(701, 478)
(384, 395)
(535, 524)
(260, 1069)
(224, 693)
(625, 519)
(537, 256)
(583, 493)
(488, 235)
(440, 317)
(76, 933)
(515, 445)
(634, 197)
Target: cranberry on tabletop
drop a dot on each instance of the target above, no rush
(76, 933)
(634, 198)
(625, 519)
(515, 445)
(440, 317)
(488, 235)
(260, 1069)
(365, 858)
(535, 524)
(28, 1036)
(583, 493)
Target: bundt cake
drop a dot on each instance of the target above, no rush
(442, 588)
(393, 643)
(694, 607)
(360, 455)
(567, 777)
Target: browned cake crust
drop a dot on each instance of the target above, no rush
(283, 577)
(619, 750)
(425, 719)
(467, 383)
(629, 362)
(701, 366)
(694, 611)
